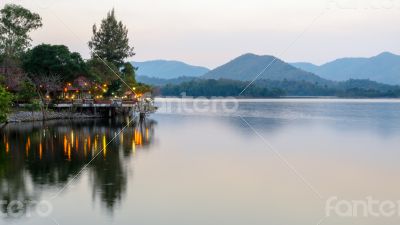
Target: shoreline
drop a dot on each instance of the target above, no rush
(28, 116)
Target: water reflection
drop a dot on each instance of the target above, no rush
(38, 157)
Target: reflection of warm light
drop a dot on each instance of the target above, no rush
(40, 151)
(89, 143)
(77, 143)
(147, 134)
(84, 147)
(7, 147)
(121, 139)
(65, 89)
(72, 138)
(95, 143)
(69, 152)
(138, 138)
(27, 146)
(65, 144)
(104, 145)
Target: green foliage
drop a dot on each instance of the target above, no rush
(114, 88)
(27, 92)
(218, 88)
(143, 88)
(46, 60)
(5, 103)
(102, 71)
(15, 24)
(34, 105)
(111, 42)
(269, 88)
(129, 77)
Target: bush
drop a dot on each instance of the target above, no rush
(5, 103)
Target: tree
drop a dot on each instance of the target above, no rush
(27, 92)
(111, 42)
(129, 77)
(50, 60)
(5, 103)
(101, 70)
(15, 24)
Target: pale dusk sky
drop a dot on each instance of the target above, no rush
(212, 32)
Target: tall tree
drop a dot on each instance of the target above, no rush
(110, 42)
(15, 24)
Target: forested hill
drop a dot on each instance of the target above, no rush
(165, 69)
(248, 66)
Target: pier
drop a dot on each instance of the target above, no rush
(108, 107)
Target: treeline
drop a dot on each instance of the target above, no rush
(285, 88)
(222, 87)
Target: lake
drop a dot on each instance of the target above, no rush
(248, 162)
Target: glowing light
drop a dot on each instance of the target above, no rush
(104, 146)
(77, 143)
(89, 143)
(65, 144)
(72, 138)
(69, 152)
(84, 148)
(27, 146)
(40, 151)
(95, 143)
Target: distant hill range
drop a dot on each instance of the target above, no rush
(247, 67)
(164, 69)
(384, 68)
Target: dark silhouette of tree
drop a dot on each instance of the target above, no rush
(110, 42)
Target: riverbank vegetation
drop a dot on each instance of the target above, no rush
(285, 88)
(46, 73)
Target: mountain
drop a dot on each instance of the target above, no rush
(168, 69)
(384, 68)
(248, 66)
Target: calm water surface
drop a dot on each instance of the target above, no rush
(270, 162)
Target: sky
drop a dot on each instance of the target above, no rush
(212, 32)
